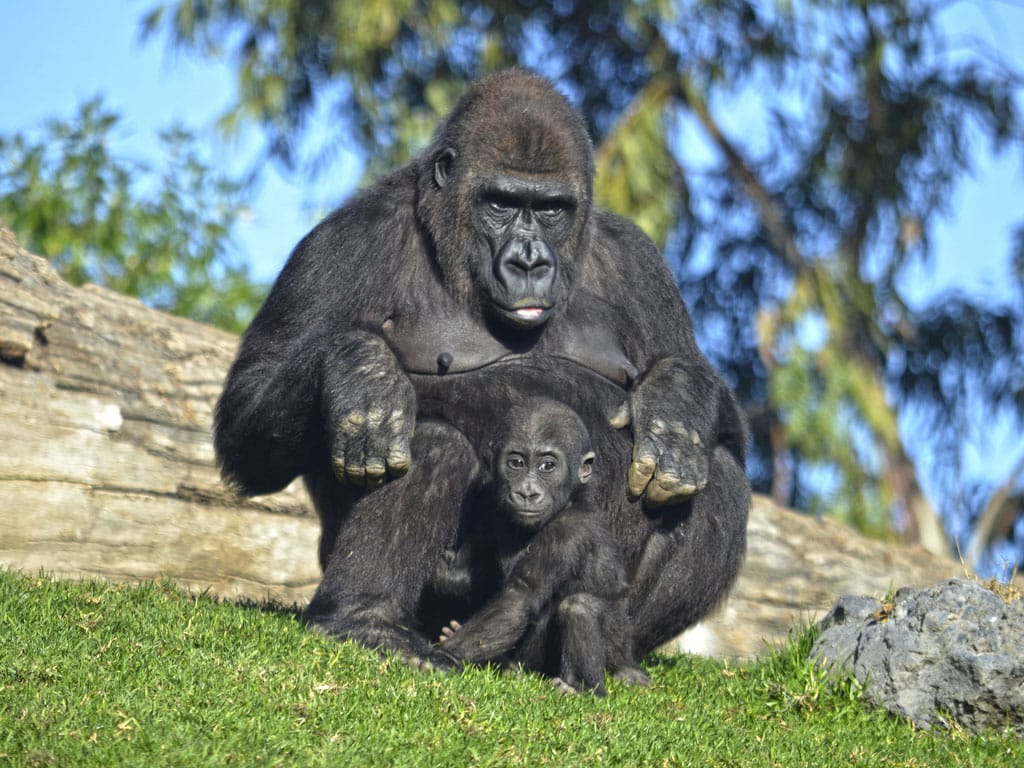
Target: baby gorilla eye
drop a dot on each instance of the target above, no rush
(547, 466)
(515, 462)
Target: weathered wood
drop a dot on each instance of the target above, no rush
(106, 463)
(107, 470)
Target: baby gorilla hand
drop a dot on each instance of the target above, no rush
(370, 430)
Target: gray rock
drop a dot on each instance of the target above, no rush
(954, 649)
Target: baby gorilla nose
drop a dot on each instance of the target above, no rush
(525, 498)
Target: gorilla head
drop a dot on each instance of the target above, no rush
(504, 192)
(542, 458)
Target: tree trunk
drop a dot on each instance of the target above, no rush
(107, 470)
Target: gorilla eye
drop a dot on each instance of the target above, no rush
(552, 214)
(548, 466)
(500, 204)
(515, 462)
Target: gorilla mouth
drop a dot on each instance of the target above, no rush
(531, 518)
(530, 313)
(526, 316)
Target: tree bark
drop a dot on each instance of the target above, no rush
(107, 471)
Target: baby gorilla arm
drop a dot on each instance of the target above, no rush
(540, 572)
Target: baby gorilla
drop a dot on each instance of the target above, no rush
(551, 573)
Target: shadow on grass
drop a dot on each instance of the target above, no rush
(269, 607)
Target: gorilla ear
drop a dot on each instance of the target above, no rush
(443, 167)
(587, 467)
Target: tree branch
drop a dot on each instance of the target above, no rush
(998, 518)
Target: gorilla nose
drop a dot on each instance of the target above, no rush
(529, 255)
(525, 497)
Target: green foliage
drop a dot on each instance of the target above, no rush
(861, 138)
(385, 71)
(162, 234)
(94, 674)
(638, 172)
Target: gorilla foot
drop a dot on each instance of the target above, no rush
(563, 687)
(371, 629)
(632, 676)
(434, 660)
(577, 686)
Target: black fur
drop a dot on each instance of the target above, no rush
(397, 331)
(545, 581)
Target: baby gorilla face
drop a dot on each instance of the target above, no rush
(538, 481)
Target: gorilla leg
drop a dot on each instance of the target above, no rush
(389, 542)
(584, 650)
(333, 502)
(691, 561)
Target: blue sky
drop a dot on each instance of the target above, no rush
(57, 53)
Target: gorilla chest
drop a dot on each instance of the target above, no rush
(453, 345)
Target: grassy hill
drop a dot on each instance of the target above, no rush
(94, 674)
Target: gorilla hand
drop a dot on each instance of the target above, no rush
(370, 411)
(674, 425)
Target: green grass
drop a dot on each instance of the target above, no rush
(94, 674)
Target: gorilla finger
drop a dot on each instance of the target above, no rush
(698, 476)
(640, 473)
(375, 450)
(668, 489)
(355, 476)
(399, 456)
(355, 467)
(621, 417)
(338, 465)
(693, 470)
(376, 473)
(683, 468)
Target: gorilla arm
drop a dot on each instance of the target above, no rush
(680, 409)
(312, 383)
(346, 395)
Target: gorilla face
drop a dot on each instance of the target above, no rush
(543, 458)
(523, 225)
(537, 481)
(504, 193)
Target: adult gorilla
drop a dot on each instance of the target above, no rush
(475, 276)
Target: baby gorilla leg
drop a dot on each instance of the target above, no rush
(584, 649)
